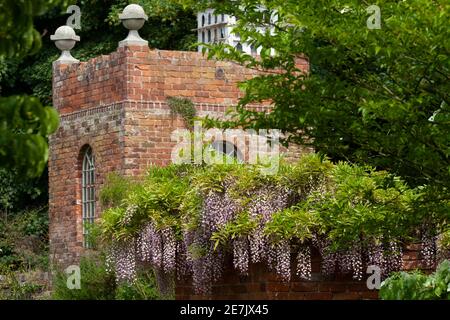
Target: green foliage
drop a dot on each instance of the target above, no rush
(307, 173)
(158, 199)
(34, 74)
(115, 190)
(24, 241)
(240, 227)
(369, 201)
(8, 192)
(95, 282)
(24, 122)
(8, 69)
(24, 126)
(183, 107)
(17, 33)
(295, 223)
(377, 97)
(418, 286)
(18, 192)
(445, 239)
(345, 202)
(14, 289)
(143, 288)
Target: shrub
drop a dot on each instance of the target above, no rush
(418, 286)
(24, 240)
(184, 108)
(115, 190)
(18, 192)
(144, 288)
(96, 282)
(12, 289)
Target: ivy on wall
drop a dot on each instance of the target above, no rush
(184, 108)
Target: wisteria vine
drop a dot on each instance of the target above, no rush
(198, 246)
(195, 256)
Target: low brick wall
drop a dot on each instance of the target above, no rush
(261, 284)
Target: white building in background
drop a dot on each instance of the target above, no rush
(212, 28)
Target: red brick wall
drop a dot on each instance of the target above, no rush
(102, 130)
(117, 104)
(137, 73)
(261, 284)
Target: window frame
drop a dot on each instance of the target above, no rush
(88, 200)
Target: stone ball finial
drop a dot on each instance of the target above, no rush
(65, 39)
(133, 18)
(133, 11)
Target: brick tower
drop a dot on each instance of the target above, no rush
(114, 117)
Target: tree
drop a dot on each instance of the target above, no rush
(376, 96)
(24, 121)
(18, 192)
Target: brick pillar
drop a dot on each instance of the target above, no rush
(90, 98)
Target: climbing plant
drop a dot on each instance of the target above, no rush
(184, 108)
(186, 220)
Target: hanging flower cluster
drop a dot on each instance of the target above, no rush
(206, 264)
(121, 259)
(304, 263)
(428, 250)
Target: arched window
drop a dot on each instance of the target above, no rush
(209, 18)
(88, 193)
(215, 19)
(215, 35)
(223, 17)
(203, 20)
(209, 36)
(239, 47)
(203, 36)
(222, 33)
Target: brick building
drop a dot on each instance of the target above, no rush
(115, 117)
